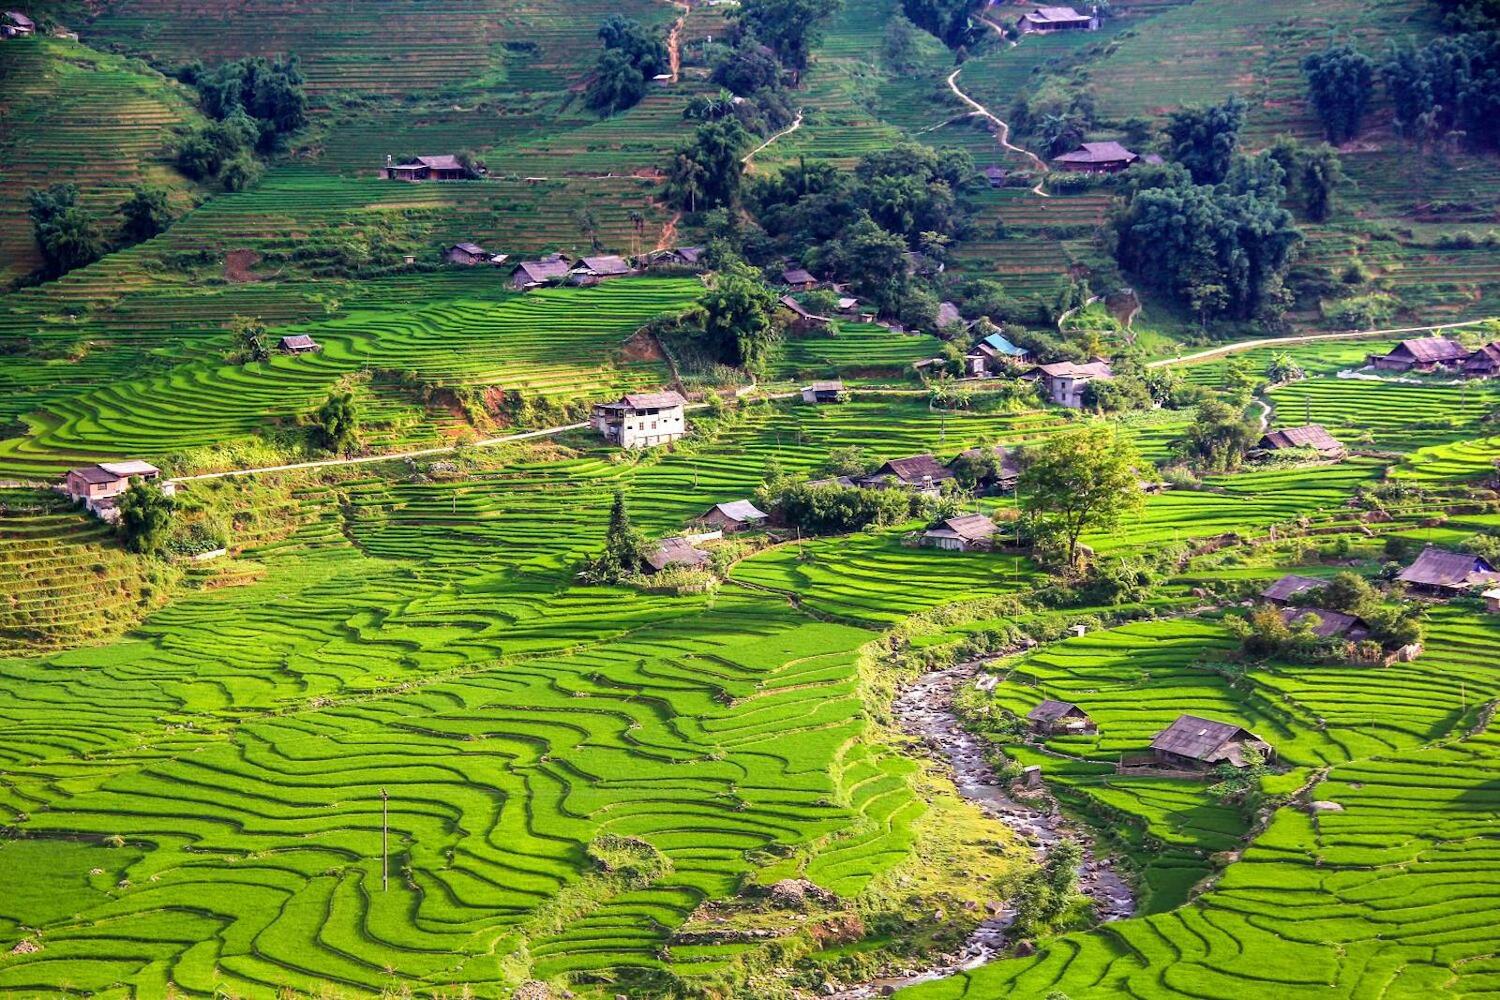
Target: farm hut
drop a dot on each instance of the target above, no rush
(1007, 471)
(1097, 158)
(737, 515)
(14, 24)
(467, 254)
(1309, 436)
(1282, 591)
(1199, 744)
(995, 353)
(1484, 363)
(994, 175)
(426, 168)
(671, 552)
(848, 304)
(592, 270)
(299, 344)
(1044, 20)
(831, 391)
(641, 419)
(676, 257)
(1448, 574)
(802, 319)
(922, 473)
(1421, 355)
(536, 273)
(798, 279)
(1065, 381)
(1330, 624)
(99, 487)
(1052, 718)
(1492, 600)
(965, 533)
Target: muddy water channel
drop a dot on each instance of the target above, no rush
(925, 710)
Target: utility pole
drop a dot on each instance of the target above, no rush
(385, 840)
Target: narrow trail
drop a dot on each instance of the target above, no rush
(1003, 135)
(669, 233)
(794, 126)
(1250, 345)
(925, 710)
(674, 41)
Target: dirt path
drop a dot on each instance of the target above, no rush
(794, 126)
(1003, 135)
(669, 233)
(674, 41)
(1250, 345)
(925, 710)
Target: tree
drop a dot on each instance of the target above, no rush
(617, 84)
(147, 213)
(1083, 480)
(1339, 82)
(1450, 86)
(65, 233)
(240, 173)
(706, 172)
(789, 27)
(145, 517)
(250, 334)
(1283, 368)
(747, 70)
(643, 47)
(1320, 176)
(337, 422)
(949, 20)
(1204, 139)
(624, 548)
(1220, 436)
(737, 315)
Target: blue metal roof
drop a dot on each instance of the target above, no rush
(1004, 346)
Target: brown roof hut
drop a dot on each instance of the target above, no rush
(920, 472)
(426, 168)
(1484, 363)
(1198, 744)
(14, 24)
(802, 318)
(535, 273)
(299, 344)
(1312, 436)
(1097, 158)
(798, 279)
(1051, 718)
(592, 270)
(674, 552)
(995, 175)
(1422, 355)
(467, 254)
(1007, 471)
(1437, 571)
(1048, 19)
(1330, 624)
(965, 533)
(1282, 591)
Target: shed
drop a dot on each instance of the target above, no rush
(1054, 717)
(830, 391)
(1049, 19)
(803, 319)
(16, 25)
(965, 533)
(798, 279)
(1282, 591)
(1331, 624)
(674, 552)
(736, 515)
(1312, 436)
(1492, 600)
(1437, 571)
(995, 175)
(299, 344)
(1097, 158)
(995, 352)
(444, 167)
(467, 254)
(1198, 743)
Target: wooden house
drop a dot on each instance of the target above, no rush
(921, 473)
(1064, 382)
(798, 279)
(994, 175)
(1329, 624)
(1097, 158)
(803, 320)
(1282, 591)
(737, 515)
(1421, 355)
(670, 552)
(592, 270)
(676, 257)
(14, 24)
(1045, 20)
(1483, 363)
(426, 168)
(467, 254)
(1309, 436)
(830, 391)
(1198, 744)
(1060, 718)
(994, 353)
(535, 273)
(641, 419)
(1448, 574)
(965, 533)
(299, 344)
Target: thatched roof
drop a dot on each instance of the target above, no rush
(675, 552)
(914, 470)
(1429, 350)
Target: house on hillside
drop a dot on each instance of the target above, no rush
(1282, 591)
(1060, 718)
(99, 487)
(676, 257)
(1422, 355)
(14, 24)
(1448, 574)
(737, 515)
(592, 270)
(803, 320)
(1483, 363)
(1330, 624)
(641, 419)
(1309, 436)
(798, 279)
(994, 175)
(965, 533)
(1044, 20)
(1492, 600)
(1064, 382)
(426, 168)
(299, 344)
(1007, 472)
(670, 552)
(1199, 744)
(830, 391)
(1097, 158)
(470, 254)
(535, 273)
(921, 473)
(993, 354)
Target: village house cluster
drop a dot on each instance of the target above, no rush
(1439, 354)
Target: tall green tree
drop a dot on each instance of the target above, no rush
(706, 172)
(1084, 479)
(1339, 83)
(145, 517)
(66, 234)
(1205, 139)
(337, 423)
(1220, 436)
(147, 213)
(624, 548)
(789, 27)
(738, 317)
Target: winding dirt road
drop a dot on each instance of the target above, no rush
(794, 126)
(1003, 135)
(1250, 345)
